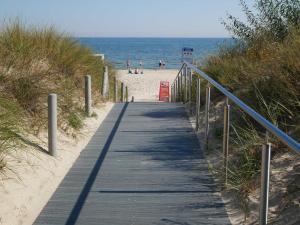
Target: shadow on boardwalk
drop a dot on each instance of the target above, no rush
(152, 172)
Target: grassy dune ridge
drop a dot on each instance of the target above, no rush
(33, 63)
(263, 69)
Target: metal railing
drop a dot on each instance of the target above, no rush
(181, 92)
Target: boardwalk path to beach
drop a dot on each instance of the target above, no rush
(143, 166)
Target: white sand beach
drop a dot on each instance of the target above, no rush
(145, 87)
(39, 174)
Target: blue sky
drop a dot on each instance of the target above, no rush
(126, 18)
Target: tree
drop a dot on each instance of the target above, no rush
(273, 18)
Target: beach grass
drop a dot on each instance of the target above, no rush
(262, 68)
(33, 63)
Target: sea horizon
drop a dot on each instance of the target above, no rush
(171, 37)
(150, 50)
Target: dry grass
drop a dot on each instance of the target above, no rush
(263, 69)
(33, 63)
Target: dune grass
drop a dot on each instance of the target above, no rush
(33, 63)
(263, 69)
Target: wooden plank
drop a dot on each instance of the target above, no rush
(143, 166)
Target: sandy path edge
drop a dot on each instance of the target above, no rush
(22, 200)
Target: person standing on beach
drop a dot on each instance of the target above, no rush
(141, 66)
(128, 65)
(160, 64)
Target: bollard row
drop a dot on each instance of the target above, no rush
(52, 106)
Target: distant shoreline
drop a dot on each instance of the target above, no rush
(151, 50)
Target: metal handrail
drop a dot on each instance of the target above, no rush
(293, 144)
(183, 93)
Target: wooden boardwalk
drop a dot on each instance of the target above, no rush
(143, 166)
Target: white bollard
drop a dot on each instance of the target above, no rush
(105, 83)
(52, 124)
(88, 95)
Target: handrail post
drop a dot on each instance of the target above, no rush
(185, 83)
(190, 88)
(88, 94)
(52, 124)
(178, 89)
(198, 95)
(264, 186)
(181, 88)
(175, 90)
(207, 106)
(173, 93)
(116, 90)
(179, 93)
(226, 130)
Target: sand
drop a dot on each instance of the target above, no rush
(145, 87)
(39, 174)
(35, 176)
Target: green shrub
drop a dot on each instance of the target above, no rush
(75, 121)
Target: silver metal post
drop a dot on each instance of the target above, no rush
(198, 95)
(116, 90)
(177, 88)
(174, 100)
(226, 137)
(185, 83)
(190, 85)
(172, 93)
(171, 96)
(88, 95)
(207, 106)
(181, 86)
(190, 88)
(174, 87)
(264, 186)
(105, 83)
(52, 124)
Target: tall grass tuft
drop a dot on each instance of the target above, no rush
(263, 69)
(33, 63)
(10, 124)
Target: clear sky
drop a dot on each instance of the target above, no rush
(126, 18)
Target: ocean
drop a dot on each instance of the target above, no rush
(151, 50)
